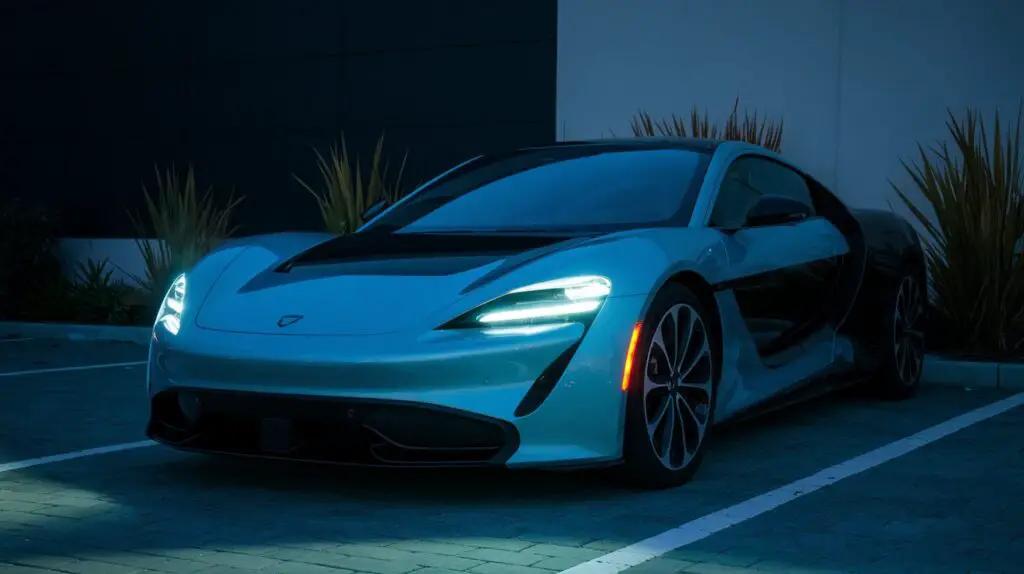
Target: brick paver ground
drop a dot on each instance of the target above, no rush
(954, 506)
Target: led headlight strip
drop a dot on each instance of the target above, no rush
(542, 311)
(172, 307)
(549, 302)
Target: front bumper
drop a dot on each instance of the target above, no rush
(438, 398)
(332, 430)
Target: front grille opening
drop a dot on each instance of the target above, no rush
(389, 452)
(424, 428)
(325, 430)
(169, 420)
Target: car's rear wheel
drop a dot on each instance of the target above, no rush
(902, 330)
(672, 390)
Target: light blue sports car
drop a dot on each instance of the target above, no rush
(575, 305)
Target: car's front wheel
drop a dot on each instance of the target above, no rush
(902, 332)
(672, 390)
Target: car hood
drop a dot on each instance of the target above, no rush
(364, 284)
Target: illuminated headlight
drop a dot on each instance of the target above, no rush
(571, 299)
(172, 307)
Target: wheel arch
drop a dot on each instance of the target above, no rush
(702, 289)
(705, 292)
(914, 257)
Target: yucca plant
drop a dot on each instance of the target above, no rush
(751, 129)
(96, 275)
(185, 226)
(346, 194)
(99, 297)
(973, 243)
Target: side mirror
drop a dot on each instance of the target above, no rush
(776, 210)
(375, 209)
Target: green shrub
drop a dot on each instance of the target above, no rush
(345, 194)
(32, 284)
(751, 129)
(974, 241)
(98, 297)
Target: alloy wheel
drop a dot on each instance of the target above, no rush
(908, 334)
(678, 386)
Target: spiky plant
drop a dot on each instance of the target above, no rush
(974, 240)
(345, 193)
(99, 297)
(181, 227)
(751, 128)
(643, 125)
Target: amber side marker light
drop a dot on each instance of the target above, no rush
(627, 371)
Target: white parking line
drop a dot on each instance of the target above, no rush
(20, 464)
(705, 526)
(78, 368)
(17, 339)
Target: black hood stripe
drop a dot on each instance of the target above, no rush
(376, 246)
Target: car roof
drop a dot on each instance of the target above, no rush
(691, 144)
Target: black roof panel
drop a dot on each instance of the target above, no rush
(692, 144)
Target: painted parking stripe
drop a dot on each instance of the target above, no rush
(66, 369)
(16, 340)
(715, 522)
(20, 464)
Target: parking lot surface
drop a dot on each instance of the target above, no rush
(955, 505)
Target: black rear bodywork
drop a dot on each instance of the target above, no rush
(891, 248)
(883, 248)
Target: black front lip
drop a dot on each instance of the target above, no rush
(354, 432)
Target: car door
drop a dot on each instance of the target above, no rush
(782, 274)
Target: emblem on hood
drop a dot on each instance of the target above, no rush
(288, 320)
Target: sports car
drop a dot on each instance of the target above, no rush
(582, 304)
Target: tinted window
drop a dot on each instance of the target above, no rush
(747, 180)
(567, 188)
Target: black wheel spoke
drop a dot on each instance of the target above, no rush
(908, 338)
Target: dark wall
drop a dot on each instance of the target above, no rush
(94, 93)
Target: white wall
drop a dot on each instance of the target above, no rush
(123, 256)
(858, 82)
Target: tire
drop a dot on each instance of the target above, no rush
(901, 329)
(646, 464)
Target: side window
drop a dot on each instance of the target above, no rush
(749, 179)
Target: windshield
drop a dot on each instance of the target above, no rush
(571, 188)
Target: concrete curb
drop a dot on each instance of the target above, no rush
(74, 332)
(1011, 376)
(937, 370)
(973, 374)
